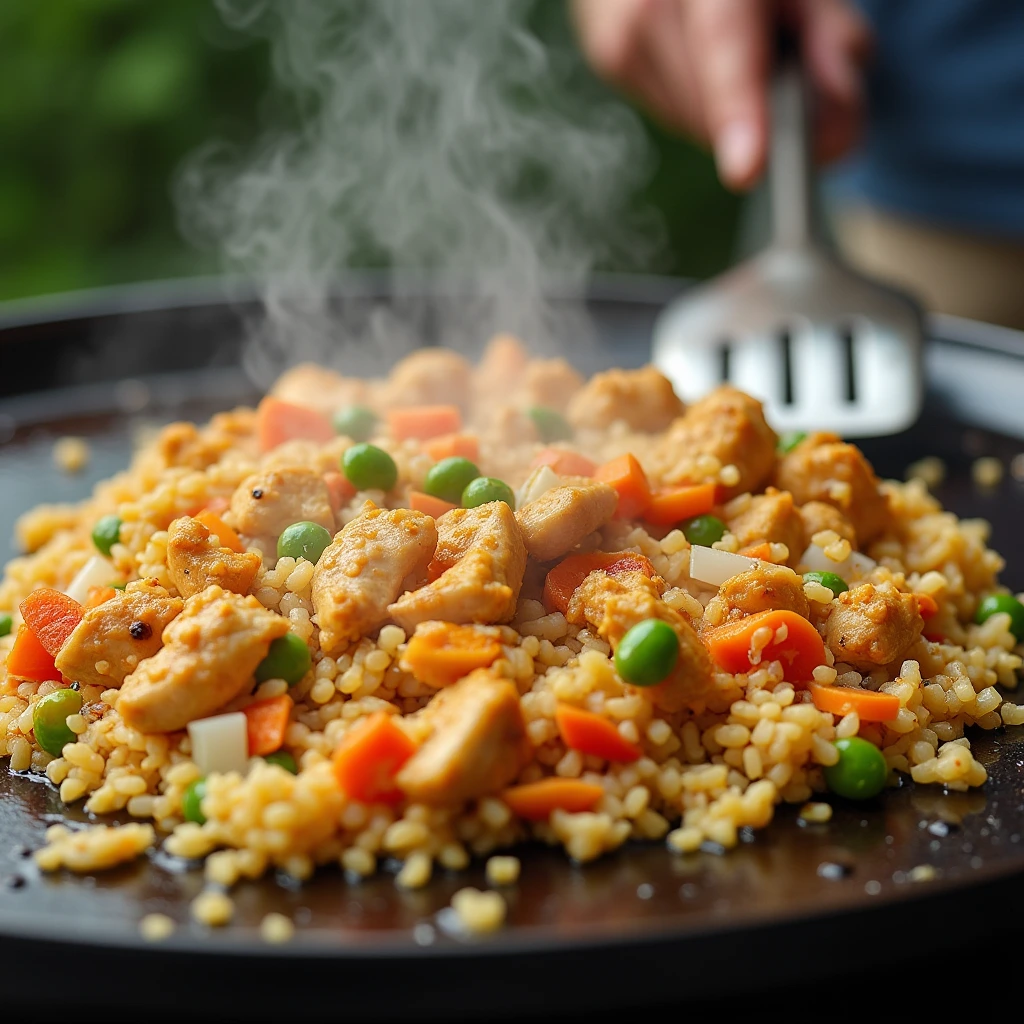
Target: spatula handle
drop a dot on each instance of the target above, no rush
(791, 171)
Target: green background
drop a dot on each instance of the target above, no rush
(101, 101)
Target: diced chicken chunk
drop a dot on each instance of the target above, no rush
(379, 554)
(772, 517)
(267, 503)
(183, 444)
(614, 604)
(728, 425)
(481, 558)
(316, 387)
(820, 518)
(209, 655)
(644, 399)
(762, 588)
(115, 636)
(195, 562)
(429, 376)
(560, 518)
(478, 743)
(823, 468)
(872, 625)
(550, 383)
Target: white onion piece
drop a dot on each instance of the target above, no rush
(539, 482)
(856, 565)
(220, 743)
(708, 565)
(97, 572)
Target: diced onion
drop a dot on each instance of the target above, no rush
(97, 572)
(539, 482)
(709, 565)
(855, 566)
(220, 743)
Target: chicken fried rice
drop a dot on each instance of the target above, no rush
(429, 617)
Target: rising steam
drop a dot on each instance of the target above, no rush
(430, 134)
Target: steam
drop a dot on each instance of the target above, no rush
(436, 135)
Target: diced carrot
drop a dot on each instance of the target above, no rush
(369, 757)
(424, 421)
(869, 705)
(228, 538)
(593, 734)
(339, 489)
(762, 551)
(927, 605)
(429, 505)
(277, 422)
(97, 595)
(442, 653)
(626, 475)
(446, 446)
(671, 506)
(800, 650)
(217, 506)
(266, 722)
(561, 582)
(52, 616)
(563, 462)
(28, 659)
(934, 638)
(536, 801)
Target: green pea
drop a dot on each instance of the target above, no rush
(828, 579)
(192, 802)
(369, 468)
(449, 478)
(49, 719)
(704, 530)
(485, 489)
(647, 653)
(283, 760)
(787, 442)
(288, 659)
(303, 540)
(5, 624)
(119, 584)
(106, 533)
(860, 772)
(1003, 603)
(355, 421)
(550, 425)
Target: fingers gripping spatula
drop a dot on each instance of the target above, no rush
(822, 346)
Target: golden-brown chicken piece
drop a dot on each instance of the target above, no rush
(376, 556)
(614, 604)
(480, 559)
(477, 745)
(209, 655)
(316, 387)
(195, 561)
(115, 636)
(819, 517)
(183, 444)
(872, 625)
(771, 516)
(728, 425)
(267, 503)
(429, 376)
(764, 587)
(498, 374)
(644, 399)
(548, 382)
(823, 468)
(560, 518)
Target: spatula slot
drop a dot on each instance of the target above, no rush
(786, 355)
(849, 369)
(724, 360)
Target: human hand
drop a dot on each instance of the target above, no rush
(703, 66)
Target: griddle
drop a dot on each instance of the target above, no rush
(795, 907)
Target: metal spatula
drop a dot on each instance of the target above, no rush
(824, 347)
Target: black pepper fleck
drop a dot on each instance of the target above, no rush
(257, 493)
(14, 881)
(76, 686)
(140, 630)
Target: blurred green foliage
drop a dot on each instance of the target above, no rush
(101, 100)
